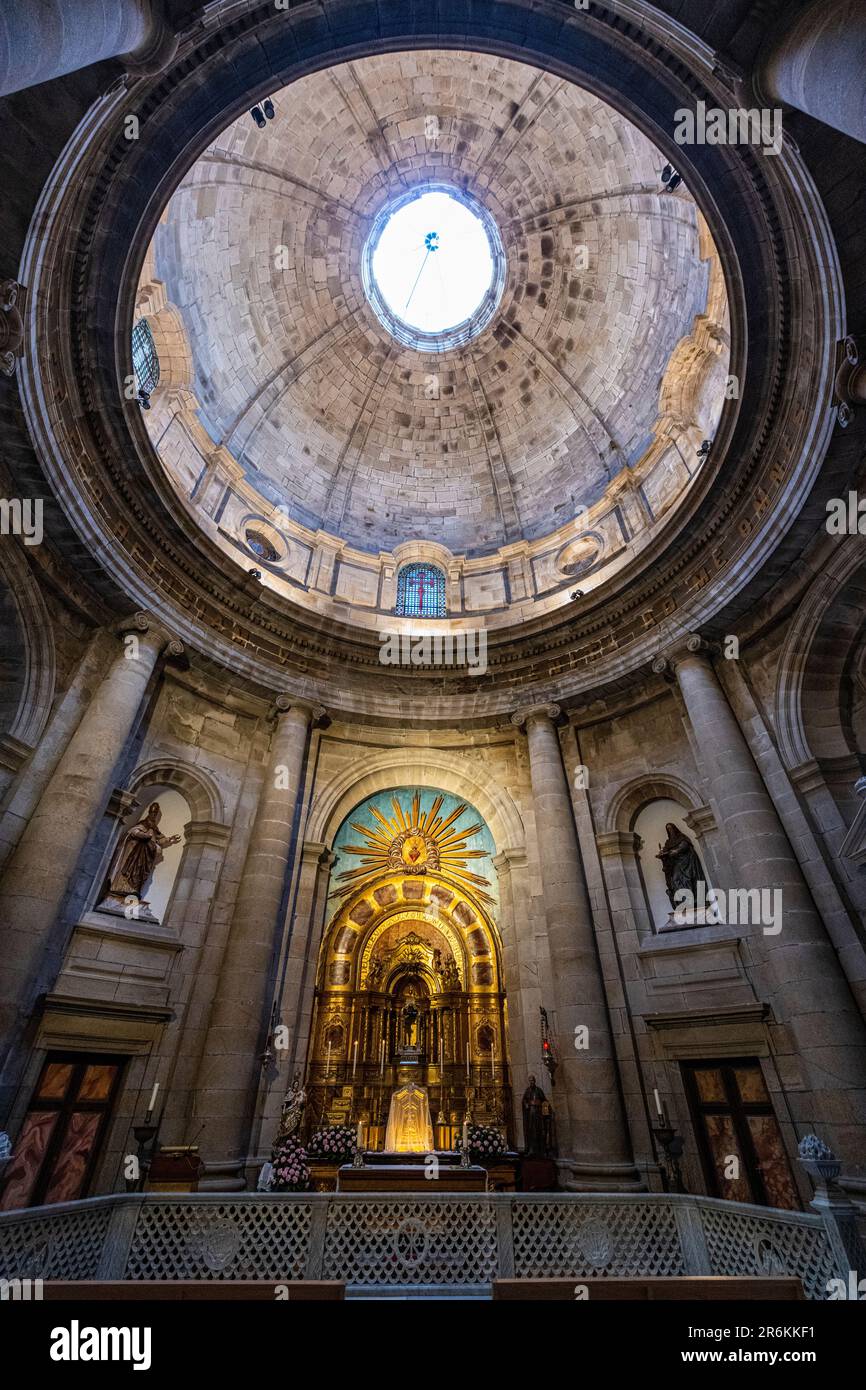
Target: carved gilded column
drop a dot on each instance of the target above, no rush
(229, 1075)
(819, 1036)
(40, 869)
(593, 1136)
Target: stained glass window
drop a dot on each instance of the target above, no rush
(420, 592)
(145, 361)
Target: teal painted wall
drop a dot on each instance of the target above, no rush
(482, 839)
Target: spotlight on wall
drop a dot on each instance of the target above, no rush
(257, 116)
(255, 574)
(576, 593)
(704, 450)
(144, 399)
(268, 108)
(670, 178)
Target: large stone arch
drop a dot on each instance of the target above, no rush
(820, 642)
(424, 767)
(30, 703)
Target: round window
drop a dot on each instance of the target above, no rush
(434, 268)
(261, 546)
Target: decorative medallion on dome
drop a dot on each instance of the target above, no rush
(415, 842)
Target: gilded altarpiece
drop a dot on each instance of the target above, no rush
(409, 983)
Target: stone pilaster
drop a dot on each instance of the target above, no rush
(521, 974)
(820, 1041)
(299, 975)
(229, 1076)
(38, 872)
(593, 1137)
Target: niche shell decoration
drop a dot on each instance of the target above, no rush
(415, 843)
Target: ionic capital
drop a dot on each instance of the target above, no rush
(545, 713)
(687, 646)
(143, 624)
(286, 704)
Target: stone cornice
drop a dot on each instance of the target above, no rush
(623, 843)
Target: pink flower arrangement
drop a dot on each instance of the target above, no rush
(335, 1142)
(484, 1142)
(291, 1173)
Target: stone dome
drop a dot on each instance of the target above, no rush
(336, 425)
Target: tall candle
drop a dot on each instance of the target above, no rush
(328, 1063)
(354, 1061)
(382, 1061)
(467, 1061)
(360, 1137)
(465, 1136)
(153, 1097)
(658, 1105)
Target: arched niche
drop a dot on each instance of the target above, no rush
(636, 819)
(650, 827)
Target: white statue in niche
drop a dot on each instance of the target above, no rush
(409, 1128)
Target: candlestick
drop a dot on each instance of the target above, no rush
(153, 1095)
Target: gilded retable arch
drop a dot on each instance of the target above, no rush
(446, 770)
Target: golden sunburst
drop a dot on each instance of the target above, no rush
(415, 842)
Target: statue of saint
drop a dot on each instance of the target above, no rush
(536, 1121)
(410, 1024)
(682, 868)
(137, 856)
(293, 1109)
(446, 970)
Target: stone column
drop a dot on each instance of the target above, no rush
(817, 65)
(40, 41)
(593, 1137)
(230, 1072)
(819, 1040)
(38, 873)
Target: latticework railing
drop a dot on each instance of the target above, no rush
(415, 1239)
